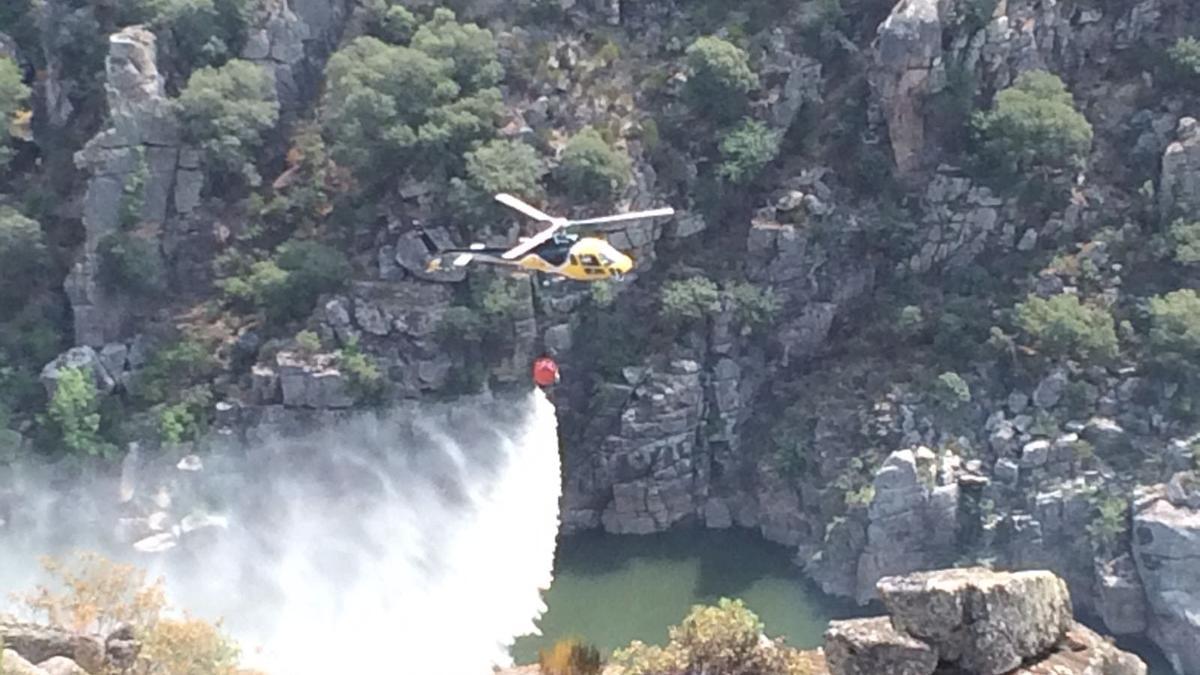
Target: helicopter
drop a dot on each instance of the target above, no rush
(554, 250)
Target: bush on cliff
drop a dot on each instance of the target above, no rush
(90, 594)
(23, 258)
(13, 96)
(226, 111)
(720, 78)
(1062, 327)
(725, 638)
(591, 169)
(1034, 128)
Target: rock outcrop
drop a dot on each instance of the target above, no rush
(31, 649)
(974, 621)
(134, 159)
(1179, 182)
(907, 50)
(1166, 547)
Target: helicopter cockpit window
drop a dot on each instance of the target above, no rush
(589, 260)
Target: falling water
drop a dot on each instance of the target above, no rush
(416, 542)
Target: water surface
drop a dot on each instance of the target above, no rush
(612, 589)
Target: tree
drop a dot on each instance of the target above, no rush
(75, 413)
(23, 257)
(752, 306)
(1175, 327)
(13, 97)
(225, 112)
(202, 32)
(569, 657)
(1063, 327)
(690, 299)
(375, 99)
(745, 150)
(469, 49)
(286, 286)
(389, 108)
(1184, 59)
(1185, 241)
(1033, 126)
(496, 166)
(720, 78)
(951, 391)
(591, 169)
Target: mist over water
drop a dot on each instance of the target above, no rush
(417, 541)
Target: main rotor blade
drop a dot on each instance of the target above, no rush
(514, 203)
(636, 215)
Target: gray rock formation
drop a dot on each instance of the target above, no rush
(960, 220)
(312, 382)
(81, 358)
(61, 665)
(874, 646)
(143, 141)
(1179, 181)
(1166, 547)
(13, 663)
(983, 621)
(38, 644)
(652, 463)
(912, 522)
(974, 621)
(907, 51)
(1122, 597)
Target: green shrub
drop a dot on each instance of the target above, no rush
(74, 414)
(746, 150)
(724, 638)
(720, 78)
(388, 106)
(23, 258)
(286, 287)
(225, 112)
(130, 264)
(1184, 58)
(1062, 327)
(1175, 328)
(911, 321)
(1109, 522)
(174, 368)
(469, 49)
(308, 342)
(366, 380)
(690, 299)
(591, 169)
(1185, 241)
(202, 32)
(13, 97)
(752, 305)
(951, 391)
(176, 423)
(496, 166)
(1033, 126)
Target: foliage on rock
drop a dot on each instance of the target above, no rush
(226, 110)
(591, 169)
(1063, 327)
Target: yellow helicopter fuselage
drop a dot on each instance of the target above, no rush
(587, 259)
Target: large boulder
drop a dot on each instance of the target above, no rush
(312, 383)
(983, 621)
(12, 663)
(874, 646)
(1166, 547)
(38, 644)
(1084, 652)
(81, 358)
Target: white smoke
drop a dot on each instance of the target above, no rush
(412, 543)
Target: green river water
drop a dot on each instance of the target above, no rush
(612, 589)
